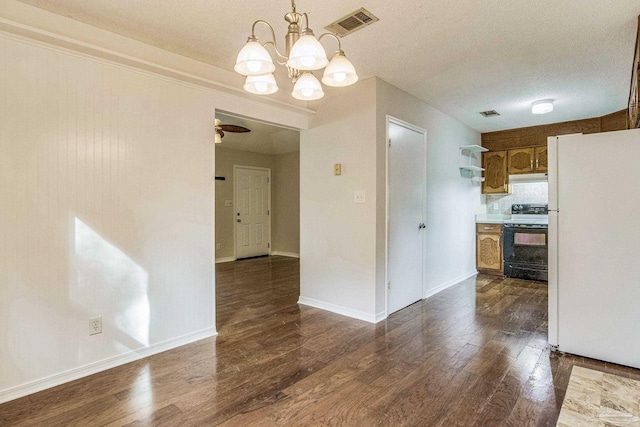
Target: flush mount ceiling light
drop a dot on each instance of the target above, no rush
(303, 55)
(543, 106)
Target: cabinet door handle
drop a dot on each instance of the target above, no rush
(531, 164)
(537, 164)
(488, 228)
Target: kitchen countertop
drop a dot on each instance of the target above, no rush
(491, 218)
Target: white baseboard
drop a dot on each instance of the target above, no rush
(102, 365)
(345, 311)
(431, 292)
(226, 259)
(288, 254)
(381, 316)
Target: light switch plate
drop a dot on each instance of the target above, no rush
(358, 196)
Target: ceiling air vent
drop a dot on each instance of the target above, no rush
(490, 113)
(352, 22)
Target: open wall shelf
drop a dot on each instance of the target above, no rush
(468, 161)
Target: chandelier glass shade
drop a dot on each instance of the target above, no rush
(339, 72)
(304, 53)
(254, 60)
(261, 85)
(307, 54)
(307, 88)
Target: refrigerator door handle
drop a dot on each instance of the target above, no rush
(553, 290)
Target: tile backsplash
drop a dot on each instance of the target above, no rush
(531, 192)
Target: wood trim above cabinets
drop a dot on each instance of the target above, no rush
(537, 135)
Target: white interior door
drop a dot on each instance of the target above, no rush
(253, 208)
(406, 215)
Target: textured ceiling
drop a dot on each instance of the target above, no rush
(263, 138)
(461, 57)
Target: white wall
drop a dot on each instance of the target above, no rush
(452, 201)
(338, 237)
(106, 203)
(286, 204)
(343, 252)
(106, 200)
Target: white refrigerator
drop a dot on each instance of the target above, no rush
(594, 245)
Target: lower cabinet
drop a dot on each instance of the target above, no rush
(489, 248)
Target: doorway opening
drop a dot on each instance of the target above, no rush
(257, 214)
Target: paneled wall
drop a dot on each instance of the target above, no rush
(106, 196)
(106, 200)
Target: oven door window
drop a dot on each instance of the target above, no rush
(530, 239)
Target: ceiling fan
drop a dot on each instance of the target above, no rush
(222, 128)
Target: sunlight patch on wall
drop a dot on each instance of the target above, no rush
(112, 285)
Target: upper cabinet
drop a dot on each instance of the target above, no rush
(498, 165)
(527, 160)
(540, 159)
(496, 180)
(520, 161)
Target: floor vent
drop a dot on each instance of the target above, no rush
(352, 22)
(490, 113)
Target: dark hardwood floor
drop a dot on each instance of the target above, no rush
(474, 354)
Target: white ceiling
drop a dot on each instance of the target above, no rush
(263, 138)
(461, 57)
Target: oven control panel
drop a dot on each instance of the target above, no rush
(529, 209)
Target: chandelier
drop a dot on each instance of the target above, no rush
(303, 55)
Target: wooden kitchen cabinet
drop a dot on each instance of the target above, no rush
(489, 249)
(496, 180)
(540, 157)
(527, 160)
(520, 160)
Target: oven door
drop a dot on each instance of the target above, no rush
(520, 270)
(526, 252)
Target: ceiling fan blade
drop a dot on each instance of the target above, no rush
(234, 129)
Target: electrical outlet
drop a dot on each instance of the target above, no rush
(218, 246)
(95, 325)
